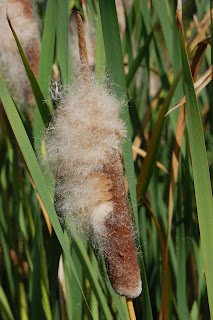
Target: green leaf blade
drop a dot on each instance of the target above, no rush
(202, 184)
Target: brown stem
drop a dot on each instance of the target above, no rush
(82, 45)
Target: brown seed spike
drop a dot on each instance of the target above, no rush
(82, 45)
(119, 243)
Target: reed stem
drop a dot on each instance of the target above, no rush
(131, 309)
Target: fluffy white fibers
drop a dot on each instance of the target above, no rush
(83, 149)
(84, 136)
(22, 19)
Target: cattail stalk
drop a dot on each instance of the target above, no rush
(84, 36)
(82, 45)
(83, 147)
(131, 309)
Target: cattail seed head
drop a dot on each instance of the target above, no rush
(83, 147)
(84, 135)
(20, 13)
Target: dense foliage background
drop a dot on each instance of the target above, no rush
(44, 274)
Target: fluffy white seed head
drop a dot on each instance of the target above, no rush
(85, 134)
(11, 65)
(83, 144)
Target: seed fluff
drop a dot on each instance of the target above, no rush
(83, 149)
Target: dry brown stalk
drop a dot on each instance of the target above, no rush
(82, 45)
(131, 309)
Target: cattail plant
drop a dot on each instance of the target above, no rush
(83, 147)
(21, 15)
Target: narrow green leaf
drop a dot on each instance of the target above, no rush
(154, 46)
(45, 301)
(36, 311)
(152, 152)
(62, 30)
(54, 253)
(6, 312)
(164, 15)
(120, 302)
(100, 57)
(45, 66)
(47, 48)
(211, 85)
(202, 184)
(7, 264)
(182, 309)
(194, 314)
(93, 300)
(23, 302)
(91, 275)
(73, 291)
(43, 108)
(137, 61)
